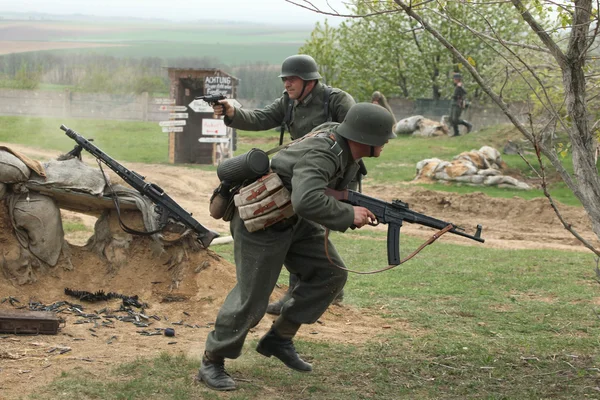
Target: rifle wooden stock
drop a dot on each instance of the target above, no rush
(394, 214)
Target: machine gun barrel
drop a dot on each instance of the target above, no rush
(166, 206)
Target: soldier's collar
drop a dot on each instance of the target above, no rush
(313, 93)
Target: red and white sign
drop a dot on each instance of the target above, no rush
(213, 127)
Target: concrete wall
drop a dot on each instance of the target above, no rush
(479, 116)
(144, 108)
(68, 104)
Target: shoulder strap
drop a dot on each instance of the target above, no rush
(287, 118)
(335, 147)
(326, 95)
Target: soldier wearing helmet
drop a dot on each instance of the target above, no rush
(327, 158)
(303, 102)
(457, 105)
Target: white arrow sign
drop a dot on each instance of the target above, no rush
(172, 123)
(164, 101)
(200, 106)
(172, 108)
(178, 115)
(213, 140)
(172, 129)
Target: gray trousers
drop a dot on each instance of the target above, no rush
(259, 257)
(455, 121)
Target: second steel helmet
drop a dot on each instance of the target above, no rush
(301, 65)
(368, 124)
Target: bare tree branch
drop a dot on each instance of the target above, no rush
(544, 185)
(542, 34)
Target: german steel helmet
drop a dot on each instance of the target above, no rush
(301, 65)
(367, 123)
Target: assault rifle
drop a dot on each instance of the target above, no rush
(394, 214)
(166, 207)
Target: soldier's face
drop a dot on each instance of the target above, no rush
(377, 150)
(293, 86)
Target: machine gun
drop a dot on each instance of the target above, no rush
(394, 214)
(166, 207)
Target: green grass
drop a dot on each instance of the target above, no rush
(124, 141)
(469, 322)
(70, 227)
(144, 142)
(472, 323)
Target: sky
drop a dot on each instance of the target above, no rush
(260, 11)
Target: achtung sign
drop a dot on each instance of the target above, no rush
(218, 85)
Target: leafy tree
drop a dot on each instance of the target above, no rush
(383, 50)
(27, 77)
(323, 47)
(556, 60)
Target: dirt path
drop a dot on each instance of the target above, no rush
(26, 362)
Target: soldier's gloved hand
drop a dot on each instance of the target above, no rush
(362, 216)
(224, 107)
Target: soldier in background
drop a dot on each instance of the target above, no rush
(305, 104)
(327, 160)
(458, 104)
(378, 98)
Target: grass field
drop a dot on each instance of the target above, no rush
(481, 323)
(231, 44)
(397, 163)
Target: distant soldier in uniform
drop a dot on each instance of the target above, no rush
(305, 104)
(457, 105)
(307, 167)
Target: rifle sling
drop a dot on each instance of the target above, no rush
(432, 239)
(118, 208)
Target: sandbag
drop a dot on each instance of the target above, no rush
(72, 174)
(12, 169)
(408, 125)
(38, 226)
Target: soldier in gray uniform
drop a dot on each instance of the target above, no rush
(305, 104)
(306, 168)
(457, 105)
(308, 102)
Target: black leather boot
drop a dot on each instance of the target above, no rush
(469, 126)
(212, 373)
(274, 345)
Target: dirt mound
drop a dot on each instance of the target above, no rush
(507, 223)
(187, 296)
